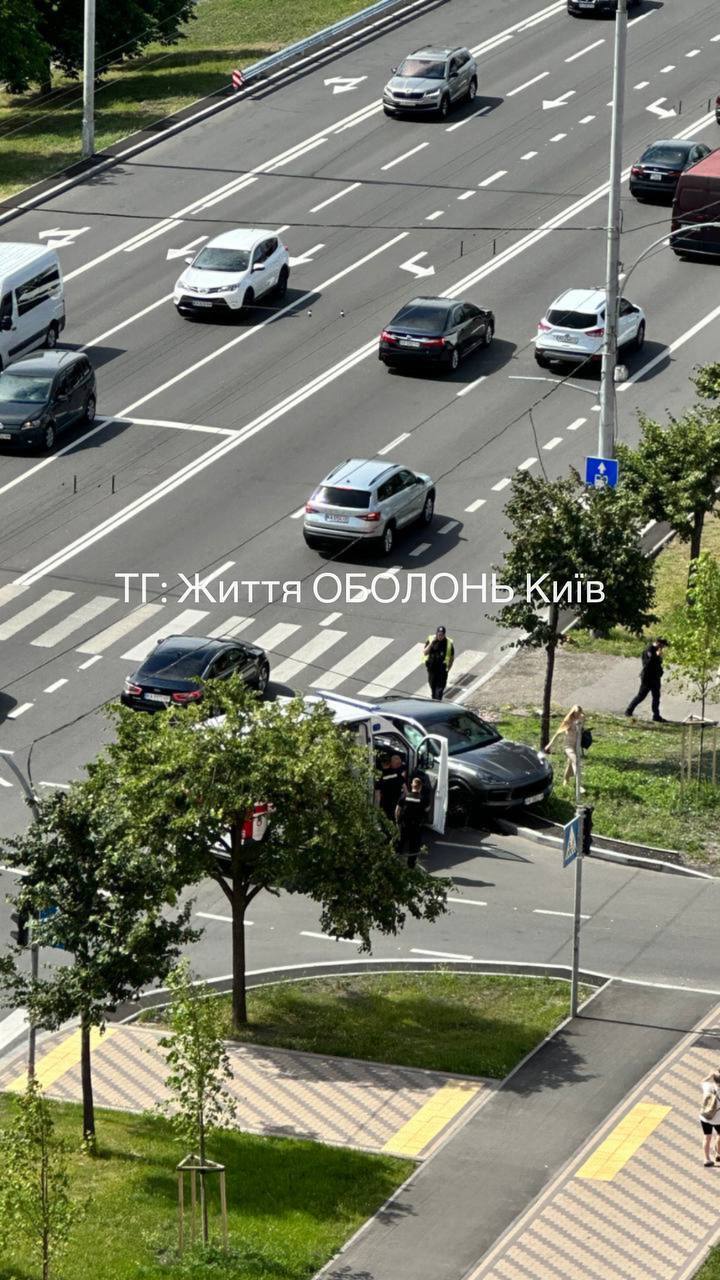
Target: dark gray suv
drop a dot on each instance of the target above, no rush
(44, 394)
(367, 502)
(431, 81)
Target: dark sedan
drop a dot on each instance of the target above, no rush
(660, 165)
(435, 331)
(42, 395)
(588, 8)
(485, 770)
(174, 671)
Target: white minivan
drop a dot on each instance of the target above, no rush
(32, 302)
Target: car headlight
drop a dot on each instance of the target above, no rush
(30, 424)
(431, 93)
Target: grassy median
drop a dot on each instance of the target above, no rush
(291, 1204)
(710, 1270)
(41, 135)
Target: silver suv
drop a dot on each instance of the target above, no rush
(431, 80)
(367, 501)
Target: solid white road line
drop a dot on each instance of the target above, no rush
(332, 617)
(441, 955)
(394, 443)
(177, 426)
(306, 655)
(18, 621)
(79, 618)
(184, 621)
(351, 663)
(53, 687)
(395, 674)
(582, 52)
(338, 196)
(232, 627)
(471, 386)
(673, 346)
(476, 505)
(501, 484)
(97, 644)
(469, 902)
(210, 915)
(405, 156)
(19, 711)
(552, 444)
(277, 635)
(102, 337)
(526, 85)
(579, 422)
(493, 178)
(540, 911)
(328, 937)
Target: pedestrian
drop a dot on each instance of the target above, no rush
(439, 655)
(569, 730)
(410, 816)
(650, 679)
(710, 1116)
(391, 785)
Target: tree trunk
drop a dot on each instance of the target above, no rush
(87, 1089)
(696, 535)
(203, 1185)
(239, 995)
(46, 82)
(550, 651)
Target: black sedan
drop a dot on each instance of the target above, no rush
(660, 165)
(485, 770)
(590, 8)
(42, 395)
(173, 672)
(435, 331)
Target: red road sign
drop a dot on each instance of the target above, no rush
(238, 79)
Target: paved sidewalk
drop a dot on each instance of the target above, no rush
(444, 1222)
(365, 1105)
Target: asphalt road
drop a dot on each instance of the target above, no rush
(213, 435)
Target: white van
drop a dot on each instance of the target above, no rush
(32, 303)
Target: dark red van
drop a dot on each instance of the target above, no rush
(697, 200)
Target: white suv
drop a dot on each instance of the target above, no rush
(233, 271)
(573, 328)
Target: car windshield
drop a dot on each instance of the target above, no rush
(336, 497)
(174, 663)
(572, 319)
(210, 259)
(23, 388)
(464, 731)
(421, 318)
(419, 69)
(675, 157)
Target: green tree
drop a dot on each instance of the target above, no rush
(199, 1068)
(185, 789)
(36, 1205)
(674, 472)
(562, 533)
(707, 380)
(123, 29)
(694, 632)
(24, 54)
(111, 917)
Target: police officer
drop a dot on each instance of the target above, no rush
(410, 816)
(439, 654)
(391, 785)
(650, 679)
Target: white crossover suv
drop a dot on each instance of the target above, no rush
(233, 271)
(573, 328)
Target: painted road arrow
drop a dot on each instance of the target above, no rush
(307, 256)
(57, 238)
(558, 102)
(343, 84)
(178, 253)
(412, 266)
(661, 111)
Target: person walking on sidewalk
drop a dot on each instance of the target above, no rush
(569, 731)
(439, 655)
(650, 679)
(710, 1116)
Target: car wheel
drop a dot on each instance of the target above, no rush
(454, 361)
(90, 407)
(263, 678)
(640, 336)
(282, 284)
(49, 437)
(387, 542)
(460, 807)
(472, 90)
(428, 510)
(444, 107)
(249, 298)
(488, 335)
(541, 360)
(51, 337)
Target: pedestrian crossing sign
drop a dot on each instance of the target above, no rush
(571, 840)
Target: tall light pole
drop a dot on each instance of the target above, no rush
(88, 121)
(607, 426)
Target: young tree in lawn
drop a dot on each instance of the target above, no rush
(24, 54)
(572, 535)
(186, 789)
(694, 634)
(199, 1067)
(111, 918)
(674, 472)
(36, 1205)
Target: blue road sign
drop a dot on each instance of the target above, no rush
(571, 841)
(601, 473)
(47, 913)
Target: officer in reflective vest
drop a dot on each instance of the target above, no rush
(439, 654)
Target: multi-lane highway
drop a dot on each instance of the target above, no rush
(212, 436)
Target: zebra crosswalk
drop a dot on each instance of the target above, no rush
(303, 655)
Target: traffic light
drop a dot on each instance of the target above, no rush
(21, 932)
(587, 829)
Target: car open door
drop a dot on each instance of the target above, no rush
(432, 759)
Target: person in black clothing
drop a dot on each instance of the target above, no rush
(391, 785)
(410, 816)
(438, 655)
(650, 679)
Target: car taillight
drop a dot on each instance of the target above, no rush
(130, 687)
(594, 333)
(370, 515)
(543, 327)
(310, 509)
(433, 342)
(192, 695)
(717, 101)
(636, 169)
(387, 337)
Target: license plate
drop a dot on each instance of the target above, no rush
(534, 799)
(5, 435)
(198, 303)
(656, 177)
(338, 519)
(157, 697)
(566, 338)
(408, 342)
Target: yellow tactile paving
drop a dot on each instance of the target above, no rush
(60, 1059)
(626, 1138)
(430, 1120)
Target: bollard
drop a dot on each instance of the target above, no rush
(74, 484)
(112, 487)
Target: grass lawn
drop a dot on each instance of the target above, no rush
(710, 1270)
(470, 1024)
(40, 136)
(290, 1204)
(632, 779)
(671, 568)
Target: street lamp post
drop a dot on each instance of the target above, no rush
(88, 120)
(607, 424)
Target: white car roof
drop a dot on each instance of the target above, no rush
(14, 255)
(239, 238)
(588, 299)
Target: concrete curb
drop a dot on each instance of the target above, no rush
(617, 851)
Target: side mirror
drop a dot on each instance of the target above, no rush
(394, 70)
(259, 266)
(190, 261)
(6, 323)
